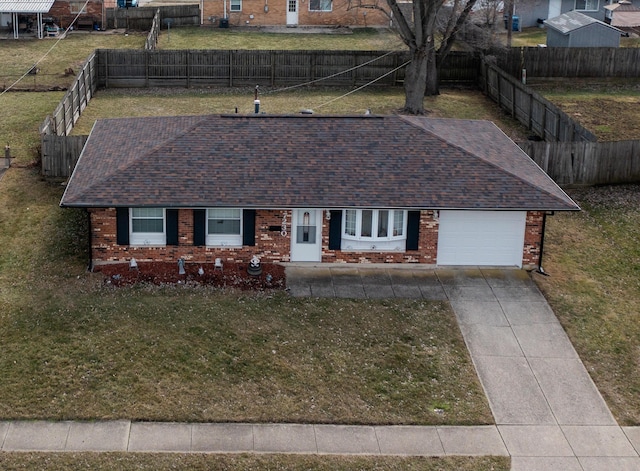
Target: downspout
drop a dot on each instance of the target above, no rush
(544, 225)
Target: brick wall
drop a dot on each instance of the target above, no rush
(277, 14)
(61, 12)
(532, 239)
(272, 246)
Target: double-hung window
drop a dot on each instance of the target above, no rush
(587, 5)
(374, 229)
(235, 5)
(148, 226)
(320, 5)
(224, 227)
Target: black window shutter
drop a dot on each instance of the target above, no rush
(249, 227)
(413, 230)
(172, 227)
(199, 227)
(335, 230)
(122, 226)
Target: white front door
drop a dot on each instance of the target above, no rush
(306, 235)
(555, 8)
(292, 12)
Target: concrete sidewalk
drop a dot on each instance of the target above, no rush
(125, 436)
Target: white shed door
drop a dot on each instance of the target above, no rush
(485, 238)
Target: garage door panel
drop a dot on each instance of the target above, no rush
(481, 238)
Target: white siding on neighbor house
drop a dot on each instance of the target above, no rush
(489, 238)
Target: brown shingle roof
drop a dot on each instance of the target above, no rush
(265, 161)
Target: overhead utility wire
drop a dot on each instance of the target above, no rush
(46, 53)
(363, 86)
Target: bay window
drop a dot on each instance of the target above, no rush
(373, 229)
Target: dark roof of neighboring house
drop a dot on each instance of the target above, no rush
(268, 161)
(574, 20)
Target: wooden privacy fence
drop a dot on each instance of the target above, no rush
(532, 110)
(587, 163)
(141, 18)
(60, 154)
(572, 62)
(74, 102)
(229, 68)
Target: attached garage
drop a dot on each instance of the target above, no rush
(481, 238)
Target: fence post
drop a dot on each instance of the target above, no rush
(230, 68)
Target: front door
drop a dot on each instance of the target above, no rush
(306, 235)
(292, 12)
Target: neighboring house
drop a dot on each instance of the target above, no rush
(385, 189)
(574, 29)
(530, 11)
(623, 15)
(24, 17)
(295, 12)
(89, 16)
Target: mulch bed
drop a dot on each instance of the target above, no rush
(233, 275)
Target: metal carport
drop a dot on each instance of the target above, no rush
(16, 7)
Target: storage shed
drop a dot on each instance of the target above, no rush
(574, 29)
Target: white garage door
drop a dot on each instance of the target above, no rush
(481, 238)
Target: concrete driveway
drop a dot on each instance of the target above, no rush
(547, 409)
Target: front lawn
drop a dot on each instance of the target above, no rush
(200, 462)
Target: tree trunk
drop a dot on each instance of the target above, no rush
(433, 74)
(415, 82)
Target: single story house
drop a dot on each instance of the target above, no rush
(359, 13)
(573, 29)
(311, 188)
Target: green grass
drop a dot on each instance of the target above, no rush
(528, 37)
(17, 57)
(368, 39)
(594, 261)
(585, 99)
(467, 104)
(200, 462)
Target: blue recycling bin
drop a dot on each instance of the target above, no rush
(515, 24)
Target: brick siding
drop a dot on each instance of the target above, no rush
(61, 12)
(273, 246)
(277, 14)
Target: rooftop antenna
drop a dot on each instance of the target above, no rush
(256, 102)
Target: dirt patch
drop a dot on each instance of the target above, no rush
(231, 275)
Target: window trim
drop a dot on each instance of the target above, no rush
(75, 4)
(146, 239)
(237, 4)
(330, 9)
(586, 4)
(373, 243)
(224, 240)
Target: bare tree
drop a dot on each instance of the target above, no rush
(419, 34)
